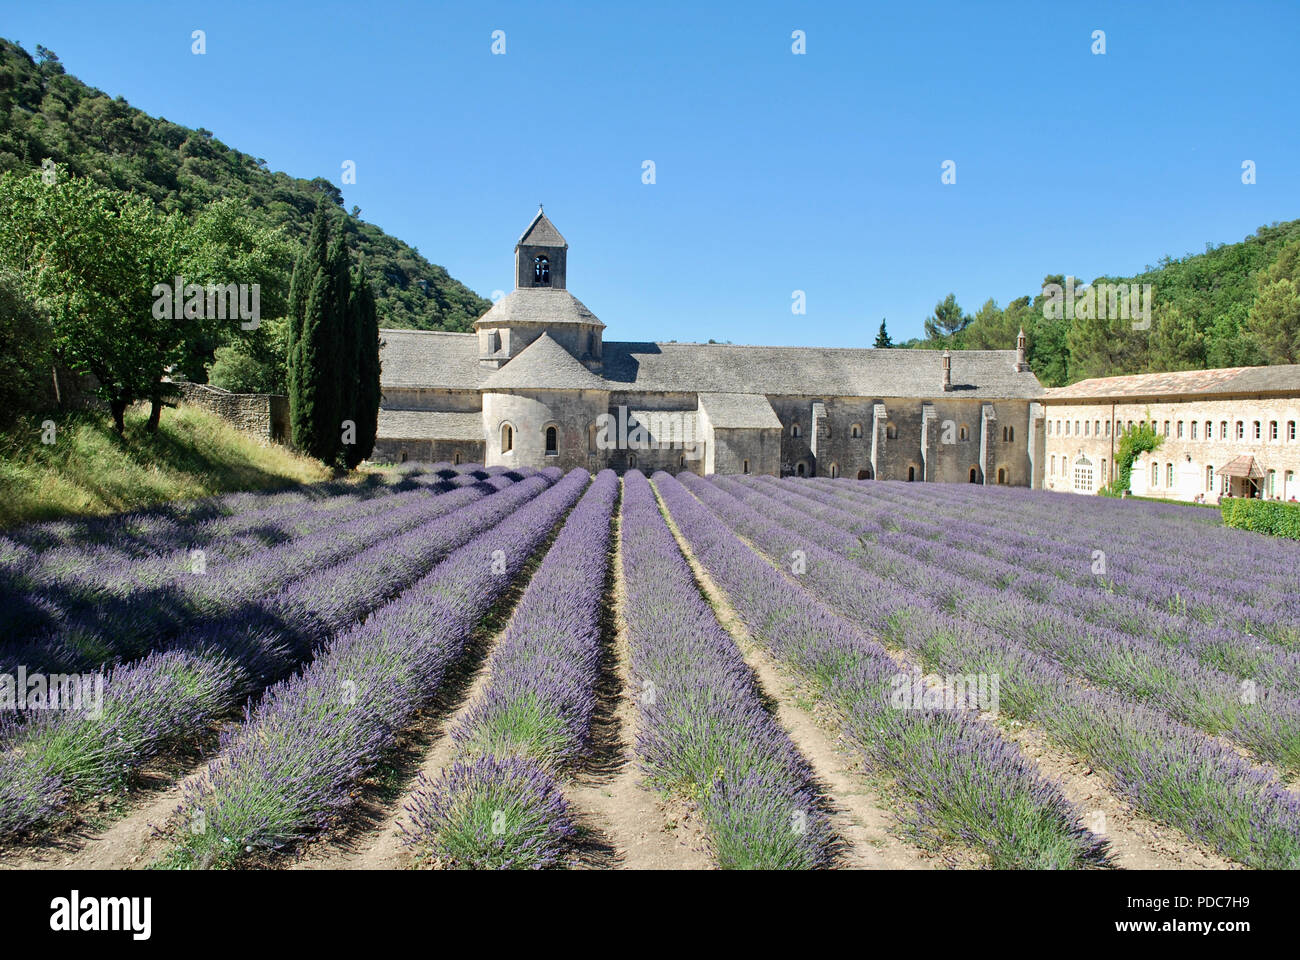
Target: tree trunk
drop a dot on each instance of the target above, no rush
(118, 408)
(155, 412)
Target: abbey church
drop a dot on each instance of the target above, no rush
(537, 384)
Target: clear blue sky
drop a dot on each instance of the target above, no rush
(775, 172)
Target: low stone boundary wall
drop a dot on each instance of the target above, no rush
(263, 414)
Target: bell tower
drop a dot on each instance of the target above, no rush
(540, 256)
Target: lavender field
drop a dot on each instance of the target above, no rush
(455, 667)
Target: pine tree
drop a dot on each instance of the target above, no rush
(883, 340)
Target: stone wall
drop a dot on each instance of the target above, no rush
(389, 450)
(263, 414)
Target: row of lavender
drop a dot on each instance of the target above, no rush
(168, 698)
(964, 781)
(120, 611)
(500, 803)
(1169, 770)
(1059, 625)
(50, 588)
(294, 764)
(703, 729)
(1136, 555)
(1071, 575)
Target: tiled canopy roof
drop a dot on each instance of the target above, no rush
(1225, 380)
(1242, 466)
(538, 305)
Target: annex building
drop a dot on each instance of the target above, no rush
(1230, 431)
(537, 384)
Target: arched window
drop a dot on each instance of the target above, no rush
(1083, 475)
(864, 474)
(744, 466)
(541, 272)
(891, 431)
(552, 441)
(794, 430)
(1209, 429)
(1241, 430)
(1002, 475)
(801, 469)
(1209, 479)
(1193, 434)
(975, 473)
(681, 461)
(855, 431)
(1011, 434)
(1257, 432)
(1290, 429)
(507, 438)
(1169, 476)
(1155, 474)
(455, 459)
(911, 474)
(963, 432)
(402, 459)
(1272, 429)
(835, 470)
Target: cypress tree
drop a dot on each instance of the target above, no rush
(341, 359)
(368, 392)
(301, 384)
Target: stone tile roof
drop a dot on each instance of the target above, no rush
(1225, 380)
(414, 358)
(426, 358)
(739, 411)
(429, 425)
(542, 233)
(668, 426)
(544, 364)
(805, 371)
(538, 305)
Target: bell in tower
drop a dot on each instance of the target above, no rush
(540, 255)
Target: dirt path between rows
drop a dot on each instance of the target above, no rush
(859, 816)
(631, 827)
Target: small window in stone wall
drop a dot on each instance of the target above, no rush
(1257, 430)
(507, 438)
(911, 474)
(455, 459)
(1194, 430)
(963, 432)
(631, 461)
(891, 431)
(855, 431)
(1155, 475)
(1290, 429)
(552, 442)
(835, 470)
(1272, 429)
(744, 466)
(1169, 475)
(801, 469)
(975, 473)
(1002, 475)
(795, 431)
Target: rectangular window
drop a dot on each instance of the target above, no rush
(1086, 427)
(1180, 430)
(1193, 429)
(1256, 429)
(1290, 429)
(1155, 475)
(1241, 430)
(1272, 429)
(1108, 428)
(1053, 466)
(1170, 475)
(1209, 429)
(1153, 426)
(1209, 479)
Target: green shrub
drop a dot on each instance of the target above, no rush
(1263, 516)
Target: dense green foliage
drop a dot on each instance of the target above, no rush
(1137, 439)
(1233, 305)
(1263, 516)
(47, 114)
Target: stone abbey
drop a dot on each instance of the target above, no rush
(537, 384)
